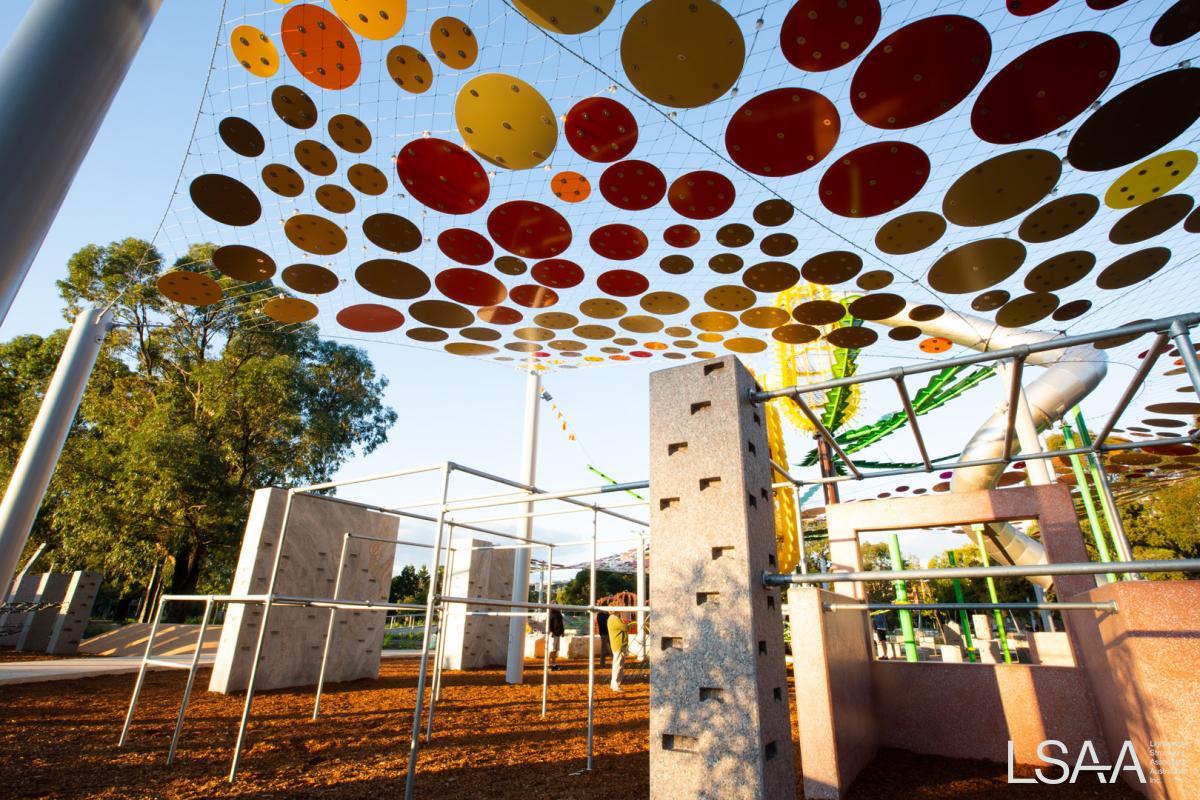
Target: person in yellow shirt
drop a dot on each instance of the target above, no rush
(618, 636)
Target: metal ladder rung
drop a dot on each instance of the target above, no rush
(182, 663)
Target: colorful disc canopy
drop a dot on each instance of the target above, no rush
(633, 185)
(782, 132)
(920, 71)
(506, 121)
(820, 35)
(529, 229)
(618, 241)
(443, 176)
(370, 318)
(874, 179)
(557, 273)
(465, 246)
(320, 46)
(225, 199)
(1045, 88)
(622, 283)
(471, 287)
(682, 53)
(453, 42)
(702, 194)
(254, 51)
(600, 129)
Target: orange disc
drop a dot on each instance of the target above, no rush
(935, 344)
(320, 46)
(570, 187)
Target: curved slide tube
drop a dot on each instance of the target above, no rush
(1070, 375)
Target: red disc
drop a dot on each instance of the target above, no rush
(531, 295)
(622, 283)
(920, 72)
(601, 129)
(443, 176)
(557, 273)
(320, 46)
(1027, 8)
(874, 179)
(633, 185)
(499, 315)
(619, 242)
(820, 35)
(701, 194)
(370, 318)
(681, 236)
(640, 354)
(470, 286)
(782, 132)
(529, 229)
(1045, 87)
(465, 246)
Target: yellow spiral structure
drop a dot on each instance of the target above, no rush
(787, 527)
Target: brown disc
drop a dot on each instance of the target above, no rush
(392, 232)
(335, 199)
(453, 42)
(1060, 271)
(567, 345)
(714, 322)
(469, 349)
(735, 234)
(1151, 219)
(905, 333)
(1118, 341)
(1133, 268)
(625, 342)
(773, 212)
(640, 323)
(1026, 309)
(765, 317)
(243, 263)
(990, 301)
(1058, 218)
(595, 332)
(367, 179)
(479, 334)
(796, 334)
(534, 334)
(1002, 187)
(819, 312)
(852, 337)
(744, 344)
(1163, 422)
(676, 264)
(778, 245)
(283, 180)
(310, 278)
(427, 334)
(729, 298)
(910, 233)
(510, 265)
(523, 347)
(726, 263)
(289, 310)
(976, 265)
(874, 280)
(314, 234)
(349, 133)
(294, 107)
(1071, 310)
(225, 199)
(830, 268)
(602, 308)
(241, 137)
(499, 315)
(189, 288)
(664, 303)
(388, 277)
(441, 313)
(925, 313)
(877, 306)
(557, 320)
(1192, 223)
(1174, 408)
(677, 330)
(315, 157)
(771, 276)
(409, 69)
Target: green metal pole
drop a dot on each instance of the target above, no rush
(1085, 439)
(1085, 491)
(963, 618)
(991, 584)
(906, 626)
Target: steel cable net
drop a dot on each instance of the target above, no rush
(1120, 246)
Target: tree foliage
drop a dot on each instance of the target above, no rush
(410, 585)
(575, 591)
(1165, 524)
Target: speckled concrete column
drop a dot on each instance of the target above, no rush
(719, 724)
(75, 613)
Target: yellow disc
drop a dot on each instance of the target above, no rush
(254, 51)
(596, 332)
(1150, 179)
(453, 43)
(372, 19)
(558, 320)
(315, 157)
(409, 69)
(664, 303)
(506, 121)
(713, 322)
(349, 133)
(283, 180)
(743, 344)
(602, 308)
(470, 349)
(335, 198)
(730, 298)
(189, 288)
(641, 324)
(367, 179)
(682, 53)
(703, 354)
(315, 234)
(765, 317)
(289, 310)
(571, 18)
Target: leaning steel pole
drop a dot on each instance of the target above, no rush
(35, 467)
(515, 672)
(58, 76)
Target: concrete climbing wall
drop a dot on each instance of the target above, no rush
(75, 613)
(12, 624)
(59, 628)
(309, 568)
(719, 725)
(474, 640)
(39, 625)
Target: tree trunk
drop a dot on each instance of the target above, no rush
(184, 579)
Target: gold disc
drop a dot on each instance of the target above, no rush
(1059, 272)
(566, 345)
(469, 349)
(874, 280)
(349, 133)
(1002, 187)
(773, 212)
(713, 322)
(640, 323)
(189, 288)
(254, 51)
(441, 313)
(602, 308)
(243, 263)
(388, 277)
(534, 334)
(990, 301)
(852, 337)
(976, 265)
(597, 332)
(664, 303)
(315, 234)
(315, 157)
(910, 233)
(735, 234)
(506, 121)
(725, 263)
(289, 310)
(480, 334)
(876, 306)
(830, 268)
(558, 320)
(730, 298)
(744, 344)
(796, 334)
(335, 199)
(819, 312)
(676, 264)
(372, 19)
(1058, 218)
(765, 317)
(392, 232)
(409, 69)
(1026, 310)
(294, 106)
(367, 179)
(283, 180)
(571, 18)
(453, 43)
(427, 334)
(510, 265)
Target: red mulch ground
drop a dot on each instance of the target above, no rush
(59, 741)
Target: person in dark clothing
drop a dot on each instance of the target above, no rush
(556, 630)
(602, 629)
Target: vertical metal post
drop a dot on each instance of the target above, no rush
(191, 679)
(1187, 353)
(69, 98)
(592, 645)
(31, 475)
(906, 626)
(802, 562)
(1039, 596)
(337, 589)
(1085, 492)
(144, 611)
(141, 676)
(1108, 503)
(515, 670)
(546, 629)
(963, 618)
(414, 744)
(991, 585)
(439, 648)
(641, 594)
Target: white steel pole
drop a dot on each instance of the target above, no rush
(641, 596)
(515, 672)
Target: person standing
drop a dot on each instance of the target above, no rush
(618, 634)
(602, 630)
(556, 630)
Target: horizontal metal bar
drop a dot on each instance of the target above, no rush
(1061, 343)
(399, 473)
(488, 601)
(1004, 571)
(787, 475)
(184, 663)
(239, 599)
(1108, 605)
(397, 542)
(325, 602)
(538, 495)
(561, 512)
